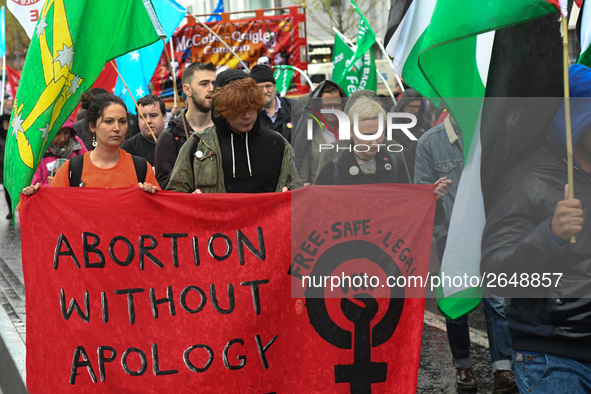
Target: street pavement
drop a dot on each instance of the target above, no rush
(436, 372)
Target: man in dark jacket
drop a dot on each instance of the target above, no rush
(529, 224)
(198, 81)
(143, 144)
(277, 111)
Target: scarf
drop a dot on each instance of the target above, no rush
(65, 151)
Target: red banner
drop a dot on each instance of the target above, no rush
(132, 292)
(276, 37)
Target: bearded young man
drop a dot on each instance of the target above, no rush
(198, 81)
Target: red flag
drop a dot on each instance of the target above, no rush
(191, 293)
(14, 78)
(107, 79)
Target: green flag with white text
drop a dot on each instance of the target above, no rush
(283, 76)
(365, 40)
(70, 46)
(363, 73)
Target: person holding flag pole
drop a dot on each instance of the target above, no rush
(53, 80)
(550, 326)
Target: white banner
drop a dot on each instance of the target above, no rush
(26, 12)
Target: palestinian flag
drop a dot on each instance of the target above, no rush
(72, 42)
(440, 49)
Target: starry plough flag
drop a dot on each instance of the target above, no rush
(72, 42)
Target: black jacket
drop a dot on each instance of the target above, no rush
(517, 239)
(141, 146)
(290, 109)
(168, 146)
(347, 171)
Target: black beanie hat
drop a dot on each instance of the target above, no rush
(227, 76)
(262, 74)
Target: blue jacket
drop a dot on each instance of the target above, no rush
(438, 156)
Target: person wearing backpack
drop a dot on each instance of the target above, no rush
(107, 165)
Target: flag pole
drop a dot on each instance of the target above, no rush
(383, 51)
(135, 102)
(175, 95)
(390, 63)
(350, 43)
(284, 66)
(569, 136)
(222, 41)
(174, 88)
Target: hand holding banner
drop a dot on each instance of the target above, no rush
(155, 292)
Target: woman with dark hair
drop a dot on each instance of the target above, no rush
(107, 165)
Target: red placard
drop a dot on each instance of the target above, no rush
(278, 37)
(133, 292)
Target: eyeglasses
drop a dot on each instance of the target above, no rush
(333, 106)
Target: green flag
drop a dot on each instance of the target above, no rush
(451, 61)
(363, 73)
(71, 44)
(283, 75)
(365, 40)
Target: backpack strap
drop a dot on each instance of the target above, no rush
(77, 163)
(75, 167)
(194, 144)
(141, 167)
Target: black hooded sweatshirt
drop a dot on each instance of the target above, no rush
(251, 161)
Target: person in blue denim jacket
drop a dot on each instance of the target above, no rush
(440, 154)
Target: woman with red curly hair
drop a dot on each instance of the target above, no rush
(235, 155)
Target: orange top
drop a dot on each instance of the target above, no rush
(122, 175)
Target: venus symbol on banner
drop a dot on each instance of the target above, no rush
(361, 312)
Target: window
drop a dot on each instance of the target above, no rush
(256, 4)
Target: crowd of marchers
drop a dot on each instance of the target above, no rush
(237, 135)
